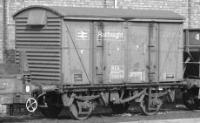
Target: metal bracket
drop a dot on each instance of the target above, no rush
(171, 94)
(131, 98)
(69, 103)
(103, 97)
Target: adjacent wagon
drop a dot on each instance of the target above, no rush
(83, 56)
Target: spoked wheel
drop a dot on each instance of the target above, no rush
(190, 101)
(154, 105)
(31, 105)
(51, 111)
(81, 110)
(119, 108)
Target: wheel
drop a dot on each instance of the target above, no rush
(119, 108)
(31, 105)
(50, 105)
(190, 101)
(153, 108)
(51, 111)
(80, 110)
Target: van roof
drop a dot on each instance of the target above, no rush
(107, 13)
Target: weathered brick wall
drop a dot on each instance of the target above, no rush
(179, 6)
(1, 20)
(192, 19)
(195, 14)
(1, 30)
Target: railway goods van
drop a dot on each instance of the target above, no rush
(80, 57)
(192, 68)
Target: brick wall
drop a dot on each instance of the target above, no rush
(1, 30)
(178, 6)
(1, 20)
(192, 19)
(195, 14)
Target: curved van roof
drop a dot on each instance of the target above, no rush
(127, 14)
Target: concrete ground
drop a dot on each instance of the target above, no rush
(169, 114)
(183, 120)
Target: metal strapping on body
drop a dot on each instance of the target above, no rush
(168, 53)
(79, 57)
